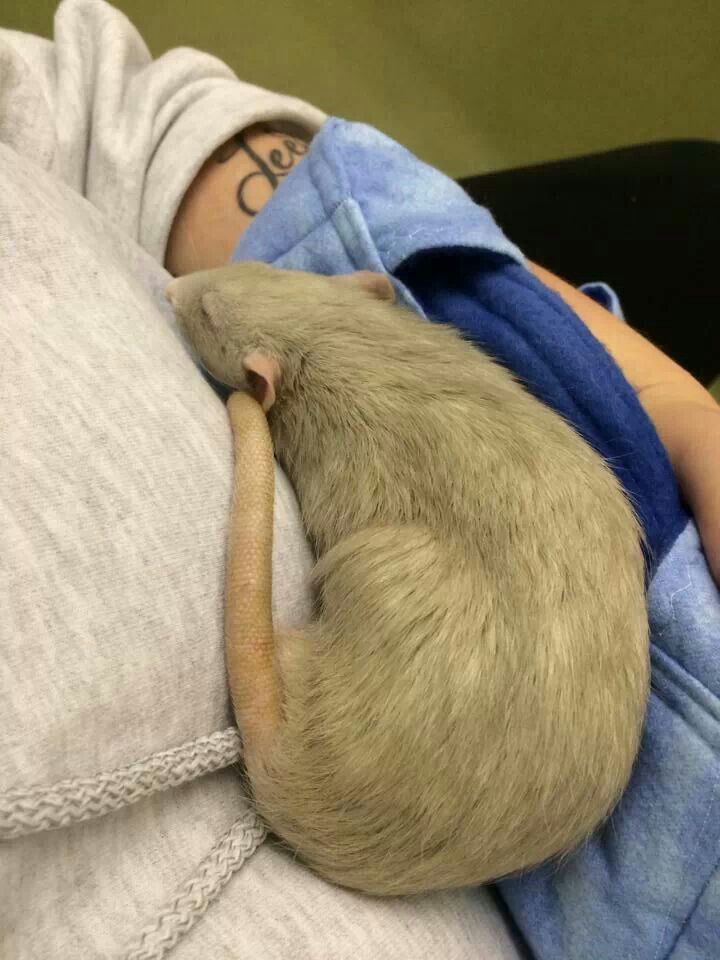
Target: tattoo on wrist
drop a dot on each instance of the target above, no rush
(272, 169)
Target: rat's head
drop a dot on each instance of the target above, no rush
(251, 324)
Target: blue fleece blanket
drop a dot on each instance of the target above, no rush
(647, 885)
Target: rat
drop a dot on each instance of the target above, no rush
(468, 700)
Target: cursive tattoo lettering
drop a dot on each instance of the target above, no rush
(272, 169)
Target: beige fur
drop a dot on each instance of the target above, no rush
(470, 698)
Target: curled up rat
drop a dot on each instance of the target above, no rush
(469, 699)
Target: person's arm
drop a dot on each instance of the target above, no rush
(229, 190)
(685, 415)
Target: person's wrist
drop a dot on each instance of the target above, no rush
(690, 432)
(699, 481)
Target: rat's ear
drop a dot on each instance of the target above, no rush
(377, 285)
(263, 373)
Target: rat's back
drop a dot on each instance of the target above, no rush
(470, 700)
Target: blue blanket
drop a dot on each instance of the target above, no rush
(647, 885)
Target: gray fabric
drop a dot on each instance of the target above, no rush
(116, 466)
(88, 892)
(115, 470)
(125, 131)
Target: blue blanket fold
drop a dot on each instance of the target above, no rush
(647, 885)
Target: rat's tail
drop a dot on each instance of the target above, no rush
(249, 643)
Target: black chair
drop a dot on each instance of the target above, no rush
(644, 219)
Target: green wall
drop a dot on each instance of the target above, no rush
(469, 85)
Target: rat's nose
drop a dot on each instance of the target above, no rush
(171, 290)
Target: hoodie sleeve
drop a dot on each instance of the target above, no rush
(127, 132)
